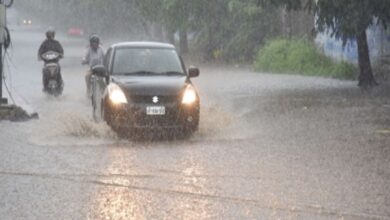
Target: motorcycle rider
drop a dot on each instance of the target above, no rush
(50, 44)
(93, 56)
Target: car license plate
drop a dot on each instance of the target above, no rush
(155, 110)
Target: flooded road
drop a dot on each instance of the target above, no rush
(268, 147)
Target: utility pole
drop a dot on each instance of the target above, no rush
(2, 38)
(2, 100)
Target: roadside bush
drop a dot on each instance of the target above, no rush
(300, 57)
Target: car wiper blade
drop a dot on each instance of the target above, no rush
(141, 72)
(171, 73)
(144, 72)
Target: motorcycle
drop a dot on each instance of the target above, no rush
(52, 79)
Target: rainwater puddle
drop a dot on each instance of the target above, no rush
(71, 128)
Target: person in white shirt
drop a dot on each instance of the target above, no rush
(93, 56)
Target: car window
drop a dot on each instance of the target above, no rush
(146, 60)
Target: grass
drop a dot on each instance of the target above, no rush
(300, 57)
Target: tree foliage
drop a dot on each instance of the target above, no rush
(346, 19)
(235, 28)
(349, 19)
(224, 29)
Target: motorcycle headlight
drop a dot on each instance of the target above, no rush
(189, 96)
(116, 94)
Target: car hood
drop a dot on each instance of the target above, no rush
(151, 85)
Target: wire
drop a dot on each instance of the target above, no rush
(7, 41)
(6, 86)
(5, 83)
(7, 44)
(9, 62)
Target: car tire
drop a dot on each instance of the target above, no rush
(185, 134)
(121, 132)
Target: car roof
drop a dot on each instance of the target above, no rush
(142, 44)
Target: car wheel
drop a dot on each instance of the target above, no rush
(186, 133)
(106, 115)
(190, 129)
(121, 132)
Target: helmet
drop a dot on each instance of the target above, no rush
(94, 39)
(50, 32)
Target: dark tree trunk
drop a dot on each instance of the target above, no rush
(158, 32)
(183, 41)
(170, 36)
(366, 78)
(146, 28)
(286, 23)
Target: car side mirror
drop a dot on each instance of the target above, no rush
(99, 70)
(193, 72)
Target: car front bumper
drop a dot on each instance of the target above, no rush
(134, 116)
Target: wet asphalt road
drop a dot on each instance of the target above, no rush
(268, 147)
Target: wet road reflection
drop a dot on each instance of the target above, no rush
(134, 195)
(269, 147)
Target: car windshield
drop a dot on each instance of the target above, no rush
(146, 61)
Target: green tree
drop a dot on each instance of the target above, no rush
(347, 19)
(177, 17)
(250, 26)
(230, 29)
(350, 19)
(172, 15)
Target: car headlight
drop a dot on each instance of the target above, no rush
(116, 94)
(189, 96)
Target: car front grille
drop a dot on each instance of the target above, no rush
(148, 99)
